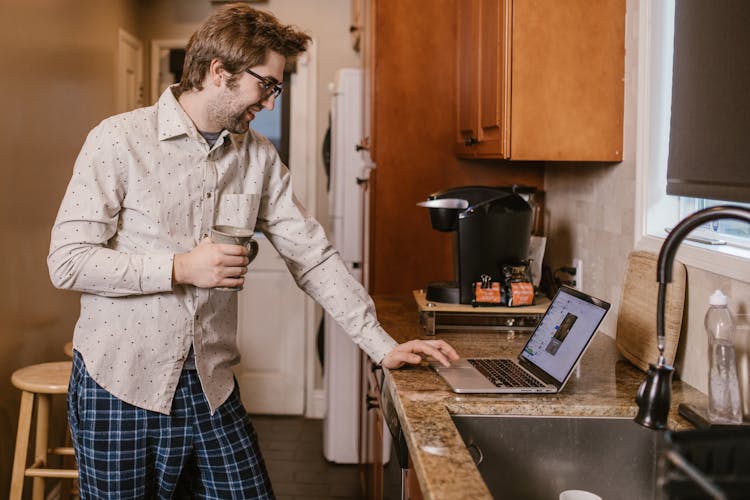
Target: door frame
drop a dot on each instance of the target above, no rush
(303, 149)
(157, 45)
(124, 37)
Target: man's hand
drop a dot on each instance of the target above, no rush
(414, 351)
(210, 265)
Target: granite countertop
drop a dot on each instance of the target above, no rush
(604, 384)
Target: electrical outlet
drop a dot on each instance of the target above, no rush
(578, 266)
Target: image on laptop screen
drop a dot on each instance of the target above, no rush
(563, 334)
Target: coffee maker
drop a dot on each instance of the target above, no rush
(491, 226)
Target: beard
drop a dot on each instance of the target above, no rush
(230, 114)
(238, 124)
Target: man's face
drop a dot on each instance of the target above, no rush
(234, 108)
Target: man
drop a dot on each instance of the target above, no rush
(153, 407)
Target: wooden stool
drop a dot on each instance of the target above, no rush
(38, 382)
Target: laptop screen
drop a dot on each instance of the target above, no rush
(564, 332)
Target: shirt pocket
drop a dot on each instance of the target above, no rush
(240, 210)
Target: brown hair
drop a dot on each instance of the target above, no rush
(238, 36)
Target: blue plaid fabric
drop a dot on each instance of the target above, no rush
(127, 452)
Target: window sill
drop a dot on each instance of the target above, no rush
(724, 260)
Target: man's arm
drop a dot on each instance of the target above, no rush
(318, 270)
(88, 217)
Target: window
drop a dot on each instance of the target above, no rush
(657, 210)
(718, 232)
(275, 124)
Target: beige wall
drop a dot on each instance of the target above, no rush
(592, 217)
(58, 64)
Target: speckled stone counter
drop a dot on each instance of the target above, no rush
(604, 384)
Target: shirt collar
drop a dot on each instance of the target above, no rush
(174, 121)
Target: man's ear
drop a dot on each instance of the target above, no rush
(216, 72)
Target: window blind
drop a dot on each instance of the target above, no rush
(709, 143)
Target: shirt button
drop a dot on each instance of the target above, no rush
(208, 195)
(197, 317)
(205, 235)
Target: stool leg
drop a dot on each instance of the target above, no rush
(68, 485)
(41, 442)
(22, 445)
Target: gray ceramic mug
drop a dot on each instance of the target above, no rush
(232, 235)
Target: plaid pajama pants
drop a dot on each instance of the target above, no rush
(127, 452)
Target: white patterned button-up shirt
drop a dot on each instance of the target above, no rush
(146, 186)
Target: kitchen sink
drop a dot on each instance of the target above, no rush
(538, 457)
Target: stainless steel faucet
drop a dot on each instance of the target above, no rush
(655, 393)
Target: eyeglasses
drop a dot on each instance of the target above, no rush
(270, 87)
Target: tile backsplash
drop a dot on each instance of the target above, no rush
(591, 217)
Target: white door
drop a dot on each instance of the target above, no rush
(276, 332)
(129, 72)
(271, 337)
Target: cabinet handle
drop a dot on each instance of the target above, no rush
(470, 141)
(360, 147)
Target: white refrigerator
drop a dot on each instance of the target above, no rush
(349, 171)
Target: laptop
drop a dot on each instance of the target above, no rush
(546, 361)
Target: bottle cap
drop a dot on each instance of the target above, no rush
(718, 299)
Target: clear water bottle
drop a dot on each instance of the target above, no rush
(724, 405)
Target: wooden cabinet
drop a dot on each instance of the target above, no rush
(376, 443)
(408, 54)
(540, 79)
(371, 429)
(413, 492)
(483, 68)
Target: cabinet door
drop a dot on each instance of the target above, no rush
(467, 78)
(493, 118)
(371, 434)
(540, 80)
(377, 445)
(568, 80)
(413, 491)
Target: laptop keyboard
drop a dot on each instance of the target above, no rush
(504, 373)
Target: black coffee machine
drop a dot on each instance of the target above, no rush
(492, 227)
